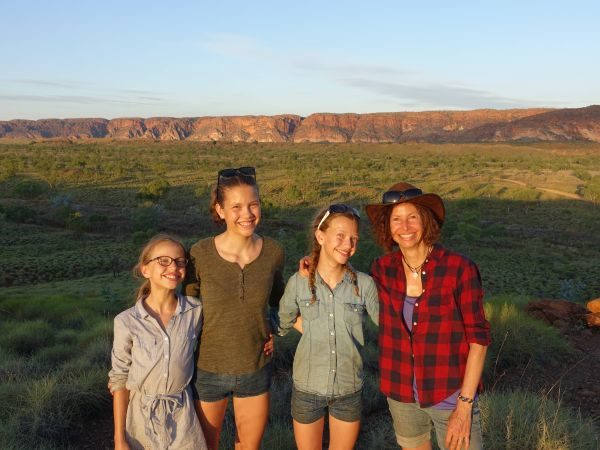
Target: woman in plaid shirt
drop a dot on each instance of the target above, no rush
(433, 334)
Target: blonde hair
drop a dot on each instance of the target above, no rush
(144, 289)
(316, 249)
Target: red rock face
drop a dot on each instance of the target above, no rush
(433, 126)
(245, 128)
(52, 128)
(126, 128)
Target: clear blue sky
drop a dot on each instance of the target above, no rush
(195, 58)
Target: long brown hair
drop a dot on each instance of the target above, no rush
(217, 193)
(144, 289)
(316, 249)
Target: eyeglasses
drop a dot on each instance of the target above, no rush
(338, 208)
(166, 261)
(398, 196)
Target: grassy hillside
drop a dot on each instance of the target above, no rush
(74, 214)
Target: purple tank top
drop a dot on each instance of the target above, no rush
(448, 403)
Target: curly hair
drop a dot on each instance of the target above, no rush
(383, 236)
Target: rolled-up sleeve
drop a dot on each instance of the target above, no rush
(470, 300)
(288, 307)
(121, 355)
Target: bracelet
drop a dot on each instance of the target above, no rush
(462, 398)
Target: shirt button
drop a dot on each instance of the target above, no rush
(307, 304)
(423, 290)
(330, 314)
(330, 295)
(332, 333)
(332, 351)
(423, 272)
(416, 304)
(414, 324)
(166, 339)
(333, 370)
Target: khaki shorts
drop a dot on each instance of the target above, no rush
(412, 424)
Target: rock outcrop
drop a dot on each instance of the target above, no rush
(561, 314)
(580, 124)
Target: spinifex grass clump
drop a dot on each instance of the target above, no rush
(518, 340)
(54, 357)
(525, 420)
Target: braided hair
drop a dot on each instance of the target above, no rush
(316, 251)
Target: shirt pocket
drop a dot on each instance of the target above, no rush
(147, 348)
(354, 312)
(309, 310)
(437, 303)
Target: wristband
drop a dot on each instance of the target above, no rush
(462, 398)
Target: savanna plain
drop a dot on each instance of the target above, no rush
(74, 214)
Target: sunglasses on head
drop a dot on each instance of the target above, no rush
(166, 261)
(398, 196)
(248, 172)
(338, 208)
(243, 171)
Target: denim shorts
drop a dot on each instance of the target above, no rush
(212, 387)
(412, 424)
(308, 408)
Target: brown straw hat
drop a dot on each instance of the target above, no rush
(403, 193)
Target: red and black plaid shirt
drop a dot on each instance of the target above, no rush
(448, 316)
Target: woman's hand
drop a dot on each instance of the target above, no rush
(304, 266)
(269, 347)
(298, 324)
(459, 426)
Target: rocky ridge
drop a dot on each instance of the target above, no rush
(487, 125)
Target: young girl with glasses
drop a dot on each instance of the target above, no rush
(238, 274)
(328, 307)
(153, 356)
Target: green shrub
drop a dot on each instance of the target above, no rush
(154, 190)
(30, 189)
(20, 214)
(25, 338)
(524, 420)
(519, 340)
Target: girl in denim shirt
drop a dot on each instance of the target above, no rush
(328, 308)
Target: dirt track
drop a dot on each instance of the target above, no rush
(552, 191)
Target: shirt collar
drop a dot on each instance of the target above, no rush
(182, 306)
(347, 278)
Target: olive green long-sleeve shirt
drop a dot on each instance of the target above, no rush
(235, 305)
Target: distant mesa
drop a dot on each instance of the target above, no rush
(484, 125)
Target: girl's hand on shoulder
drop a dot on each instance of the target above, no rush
(304, 266)
(269, 347)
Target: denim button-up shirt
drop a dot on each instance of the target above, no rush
(328, 359)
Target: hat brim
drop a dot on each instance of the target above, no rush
(432, 201)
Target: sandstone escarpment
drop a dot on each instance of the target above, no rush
(245, 128)
(488, 125)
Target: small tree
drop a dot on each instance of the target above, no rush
(154, 190)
